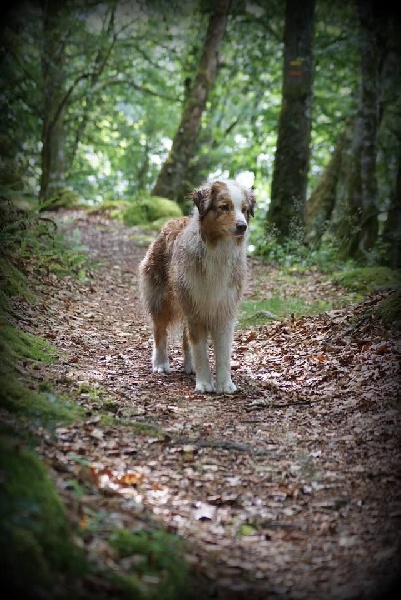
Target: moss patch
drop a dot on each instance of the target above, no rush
(260, 312)
(46, 407)
(148, 210)
(368, 279)
(114, 208)
(160, 569)
(16, 397)
(64, 198)
(389, 310)
(13, 282)
(18, 344)
(36, 542)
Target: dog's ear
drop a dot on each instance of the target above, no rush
(251, 201)
(201, 198)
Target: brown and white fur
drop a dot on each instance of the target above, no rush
(194, 274)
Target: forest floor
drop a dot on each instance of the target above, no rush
(288, 489)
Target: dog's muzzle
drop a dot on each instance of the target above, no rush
(240, 227)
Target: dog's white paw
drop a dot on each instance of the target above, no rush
(204, 386)
(227, 387)
(161, 367)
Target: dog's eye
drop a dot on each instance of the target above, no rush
(224, 207)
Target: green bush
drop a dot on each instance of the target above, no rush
(293, 253)
(148, 210)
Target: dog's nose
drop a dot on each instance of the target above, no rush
(241, 227)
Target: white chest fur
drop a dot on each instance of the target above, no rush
(209, 280)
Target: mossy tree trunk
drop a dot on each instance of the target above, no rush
(172, 181)
(53, 59)
(291, 165)
(391, 131)
(320, 207)
(392, 228)
(341, 201)
(357, 221)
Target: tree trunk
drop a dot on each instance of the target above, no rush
(392, 227)
(172, 181)
(291, 165)
(390, 141)
(357, 221)
(321, 204)
(53, 57)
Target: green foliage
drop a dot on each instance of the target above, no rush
(23, 234)
(157, 554)
(293, 252)
(124, 97)
(368, 279)
(149, 210)
(28, 237)
(337, 60)
(36, 542)
(13, 282)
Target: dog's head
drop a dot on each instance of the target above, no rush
(225, 208)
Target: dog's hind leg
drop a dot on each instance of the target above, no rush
(160, 361)
(199, 347)
(186, 350)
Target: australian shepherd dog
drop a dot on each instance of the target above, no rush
(194, 274)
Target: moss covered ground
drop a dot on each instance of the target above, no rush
(40, 553)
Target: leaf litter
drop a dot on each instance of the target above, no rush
(289, 488)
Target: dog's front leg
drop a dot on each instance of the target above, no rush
(199, 346)
(222, 341)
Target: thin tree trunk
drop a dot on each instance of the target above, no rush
(52, 155)
(291, 165)
(320, 206)
(390, 138)
(392, 226)
(357, 219)
(368, 128)
(172, 181)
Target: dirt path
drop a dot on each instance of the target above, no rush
(290, 488)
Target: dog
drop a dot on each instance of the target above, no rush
(194, 274)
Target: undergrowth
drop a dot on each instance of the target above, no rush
(40, 557)
(34, 242)
(295, 254)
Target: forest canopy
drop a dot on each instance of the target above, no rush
(120, 100)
